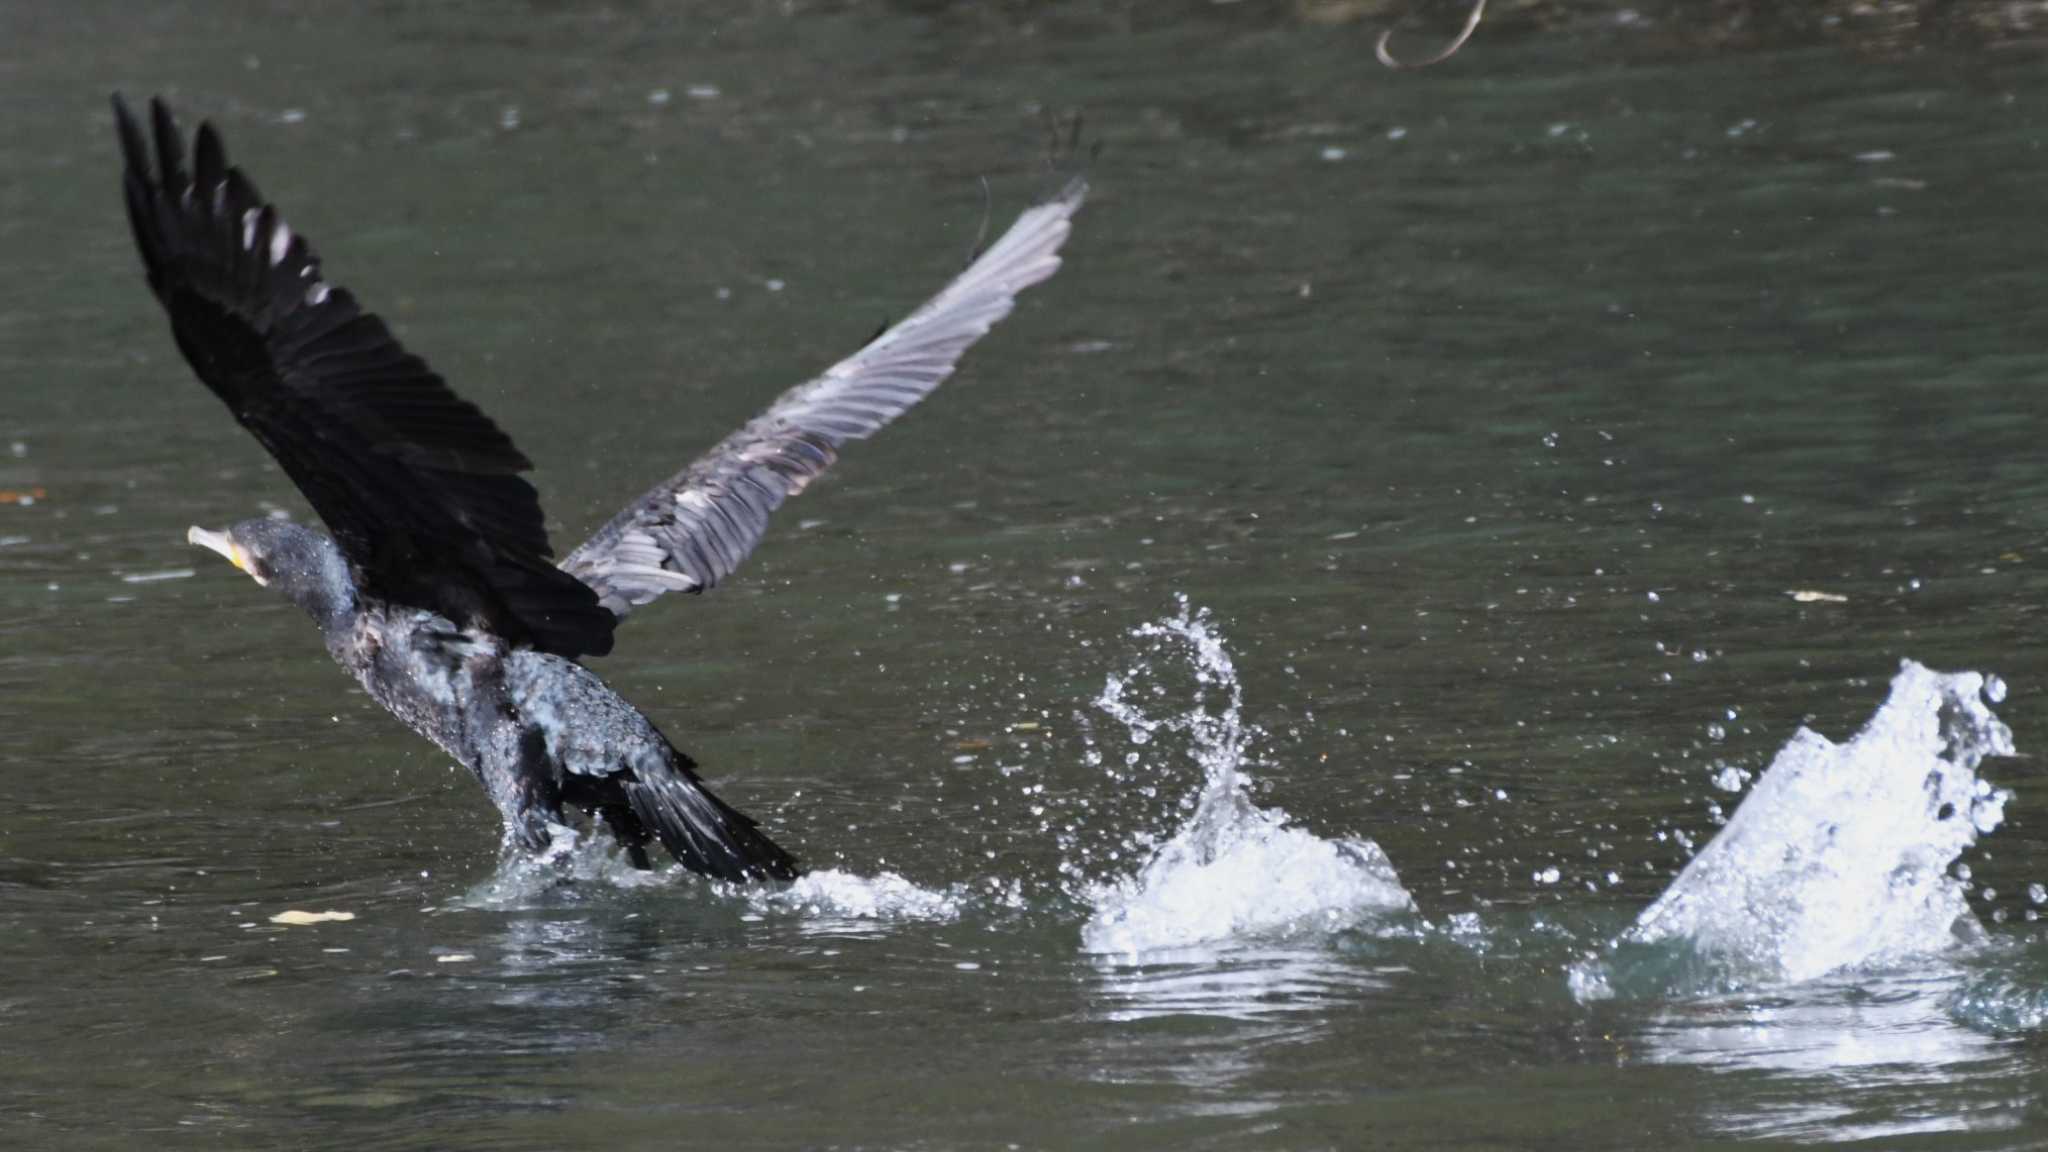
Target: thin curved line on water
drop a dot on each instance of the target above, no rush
(1471, 25)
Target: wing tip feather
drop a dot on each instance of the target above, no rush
(234, 276)
(700, 540)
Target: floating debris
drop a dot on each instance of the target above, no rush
(454, 958)
(1810, 596)
(22, 496)
(297, 916)
(1387, 58)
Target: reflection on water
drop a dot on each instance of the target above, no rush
(2006, 992)
(1217, 1020)
(1244, 982)
(1871, 1058)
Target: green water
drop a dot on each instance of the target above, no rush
(1421, 383)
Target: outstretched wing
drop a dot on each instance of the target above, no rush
(420, 489)
(691, 531)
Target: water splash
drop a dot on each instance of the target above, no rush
(1234, 869)
(846, 901)
(1837, 858)
(575, 866)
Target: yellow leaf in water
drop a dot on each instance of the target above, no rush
(295, 916)
(1808, 596)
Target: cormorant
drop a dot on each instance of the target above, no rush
(436, 588)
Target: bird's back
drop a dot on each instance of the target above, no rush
(446, 683)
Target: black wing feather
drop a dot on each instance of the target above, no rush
(419, 487)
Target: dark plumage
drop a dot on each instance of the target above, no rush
(436, 589)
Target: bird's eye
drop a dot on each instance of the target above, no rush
(258, 570)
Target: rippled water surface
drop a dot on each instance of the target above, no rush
(1490, 468)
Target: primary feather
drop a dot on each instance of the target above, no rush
(692, 530)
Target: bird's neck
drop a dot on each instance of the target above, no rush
(326, 592)
(333, 608)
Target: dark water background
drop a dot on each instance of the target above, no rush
(1422, 383)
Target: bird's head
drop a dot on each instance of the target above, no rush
(300, 562)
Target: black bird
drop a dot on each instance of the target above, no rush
(436, 589)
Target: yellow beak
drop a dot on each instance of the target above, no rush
(224, 544)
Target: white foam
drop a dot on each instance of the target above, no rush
(835, 899)
(838, 895)
(1254, 877)
(1234, 869)
(1839, 855)
(572, 861)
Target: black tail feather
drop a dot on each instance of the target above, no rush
(705, 834)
